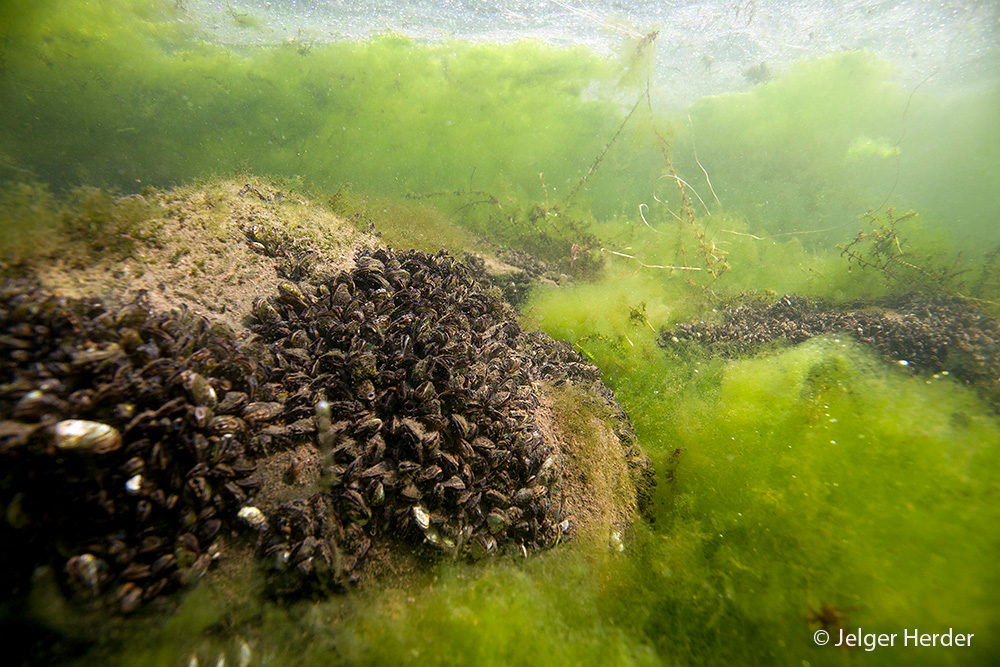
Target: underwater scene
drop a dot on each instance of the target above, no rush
(499, 333)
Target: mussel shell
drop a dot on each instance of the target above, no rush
(497, 522)
(80, 435)
(129, 597)
(131, 315)
(36, 403)
(291, 294)
(199, 389)
(227, 424)
(482, 545)
(262, 411)
(422, 517)
(231, 402)
(265, 311)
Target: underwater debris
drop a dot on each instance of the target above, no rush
(117, 467)
(931, 334)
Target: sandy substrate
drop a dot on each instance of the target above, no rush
(199, 254)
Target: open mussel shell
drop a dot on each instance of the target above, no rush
(482, 546)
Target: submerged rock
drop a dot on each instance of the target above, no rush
(395, 407)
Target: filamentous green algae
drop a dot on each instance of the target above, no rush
(800, 488)
(815, 478)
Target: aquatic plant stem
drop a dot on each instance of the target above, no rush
(651, 266)
(593, 167)
(694, 149)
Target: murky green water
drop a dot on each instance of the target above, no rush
(807, 476)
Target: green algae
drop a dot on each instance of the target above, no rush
(817, 474)
(814, 475)
(385, 114)
(29, 210)
(820, 474)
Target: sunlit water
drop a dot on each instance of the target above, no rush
(704, 48)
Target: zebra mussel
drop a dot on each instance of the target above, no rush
(119, 460)
(418, 383)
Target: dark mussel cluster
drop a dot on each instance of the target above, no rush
(930, 333)
(122, 443)
(414, 376)
(133, 442)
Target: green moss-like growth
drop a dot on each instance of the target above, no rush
(817, 474)
(385, 115)
(404, 223)
(28, 211)
(606, 480)
(847, 483)
(105, 223)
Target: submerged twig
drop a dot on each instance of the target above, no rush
(650, 266)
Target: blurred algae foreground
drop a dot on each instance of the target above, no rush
(807, 486)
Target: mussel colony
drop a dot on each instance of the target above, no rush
(931, 334)
(418, 382)
(133, 443)
(122, 455)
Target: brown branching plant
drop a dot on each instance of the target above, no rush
(989, 278)
(880, 247)
(711, 255)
